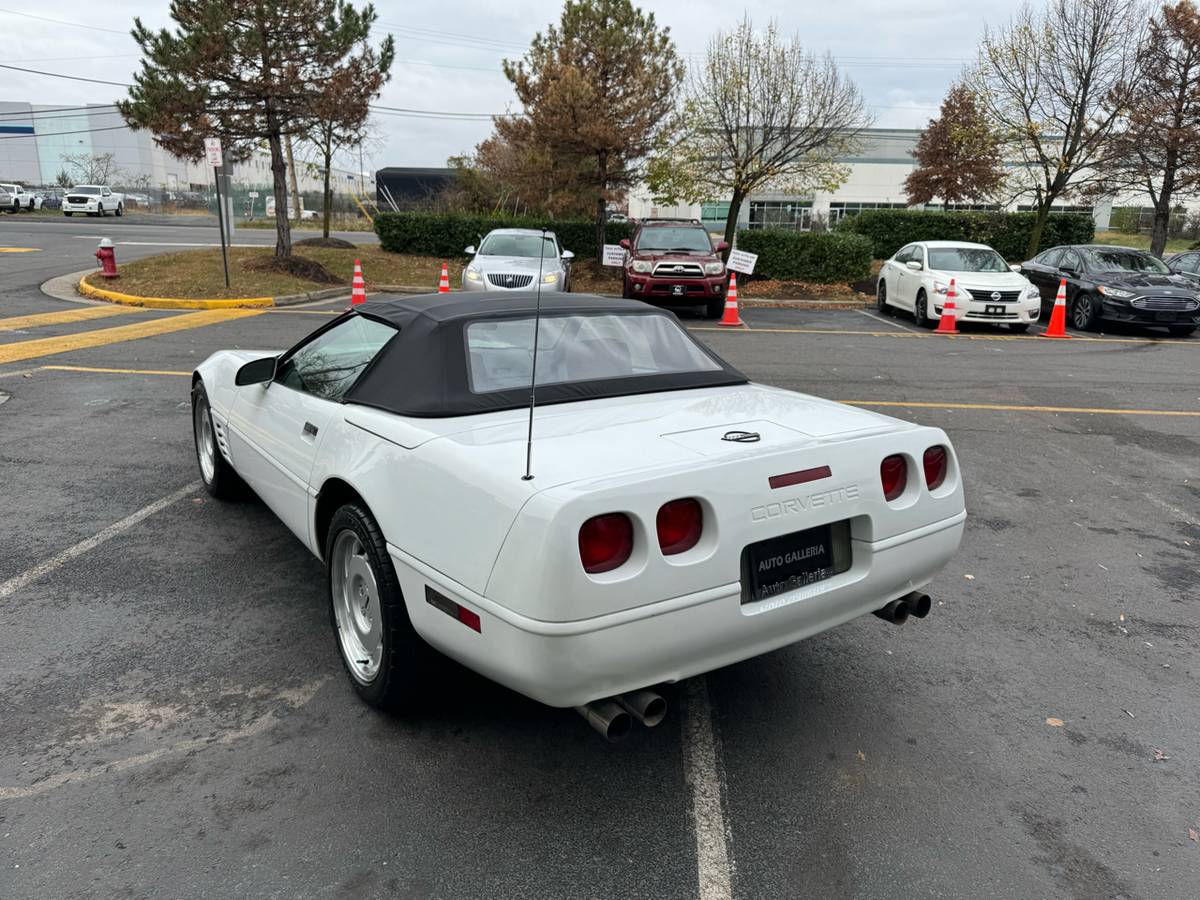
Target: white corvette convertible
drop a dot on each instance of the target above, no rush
(678, 517)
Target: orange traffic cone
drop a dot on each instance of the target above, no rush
(358, 287)
(946, 325)
(731, 306)
(1058, 318)
(444, 281)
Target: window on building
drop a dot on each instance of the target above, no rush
(839, 211)
(795, 214)
(714, 212)
(1058, 208)
(969, 207)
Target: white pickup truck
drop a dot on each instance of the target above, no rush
(18, 198)
(93, 199)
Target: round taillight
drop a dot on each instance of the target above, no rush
(934, 462)
(605, 542)
(893, 473)
(680, 524)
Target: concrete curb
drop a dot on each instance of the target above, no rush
(96, 293)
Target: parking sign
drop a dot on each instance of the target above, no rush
(212, 150)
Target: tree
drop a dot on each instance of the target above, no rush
(758, 113)
(958, 154)
(1056, 83)
(246, 71)
(595, 90)
(1157, 153)
(340, 111)
(89, 168)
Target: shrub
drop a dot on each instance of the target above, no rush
(447, 234)
(890, 229)
(789, 255)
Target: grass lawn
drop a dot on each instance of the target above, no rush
(337, 223)
(196, 274)
(1141, 241)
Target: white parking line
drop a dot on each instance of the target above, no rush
(14, 584)
(706, 780)
(872, 315)
(123, 243)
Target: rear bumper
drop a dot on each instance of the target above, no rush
(678, 290)
(570, 663)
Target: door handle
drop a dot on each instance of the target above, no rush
(310, 429)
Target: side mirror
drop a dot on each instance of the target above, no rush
(625, 244)
(257, 371)
(470, 251)
(568, 255)
(722, 246)
(913, 264)
(1016, 267)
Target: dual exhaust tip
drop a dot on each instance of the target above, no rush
(898, 611)
(614, 717)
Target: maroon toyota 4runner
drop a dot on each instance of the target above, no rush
(673, 262)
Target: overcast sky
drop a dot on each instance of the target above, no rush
(903, 55)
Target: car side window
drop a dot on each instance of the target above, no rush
(1189, 262)
(1070, 260)
(330, 363)
(1050, 258)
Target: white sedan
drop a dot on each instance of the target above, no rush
(675, 517)
(917, 279)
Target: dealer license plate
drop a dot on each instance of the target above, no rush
(793, 561)
(678, 290)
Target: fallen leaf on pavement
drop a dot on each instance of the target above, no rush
(1159, 755)
(1054, 722)
(862, 757)
(1194, 835)
(1122, 617)
(969, 577)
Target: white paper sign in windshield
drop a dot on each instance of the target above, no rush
(614, 255)
(741, 261)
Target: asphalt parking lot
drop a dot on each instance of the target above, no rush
(175, 722)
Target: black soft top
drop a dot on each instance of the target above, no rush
(423, 370)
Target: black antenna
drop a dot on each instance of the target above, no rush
(537, 323)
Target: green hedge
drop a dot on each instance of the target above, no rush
(446, 234)
(890, 229)
(789, 255)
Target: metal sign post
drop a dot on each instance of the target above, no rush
(212, 151)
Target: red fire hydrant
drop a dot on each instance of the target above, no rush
(108, 259)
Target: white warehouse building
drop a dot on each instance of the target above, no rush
(876, 181)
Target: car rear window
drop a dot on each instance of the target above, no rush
(579, 348)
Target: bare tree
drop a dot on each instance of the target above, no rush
(1056, 82)
(90, 168)
(1157, 152)
(758, 112)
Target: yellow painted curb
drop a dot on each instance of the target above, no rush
(96, 293)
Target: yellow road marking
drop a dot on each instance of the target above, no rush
(113, 371)
(100, 337)
(1078, 338)
(1005, 407)
(78, 314)
(20, 249)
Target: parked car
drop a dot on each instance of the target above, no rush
(675, 517)
(139, 201)
(18, 198)
(508, 260)
(1116, 284)
(6, 199)
(674, 262)
(1186, 264)
(917, 279)
(94, 200)
(49, 200)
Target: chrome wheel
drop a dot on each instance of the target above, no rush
(206, 448)
(356, 607)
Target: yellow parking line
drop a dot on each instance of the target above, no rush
(113, 371)
(20, 350)
(1005, 407)
(20, 249)
(1078, 338)
(78, 314)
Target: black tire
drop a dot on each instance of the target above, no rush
(404, 658)
(1085, 314)
(921, 311)
(881, 303)
(1180, 330)
(1019, 328)
(120, 210)
(626, 293)
(714, 309)
(100, 210)
(68, 214)
(222, 483)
